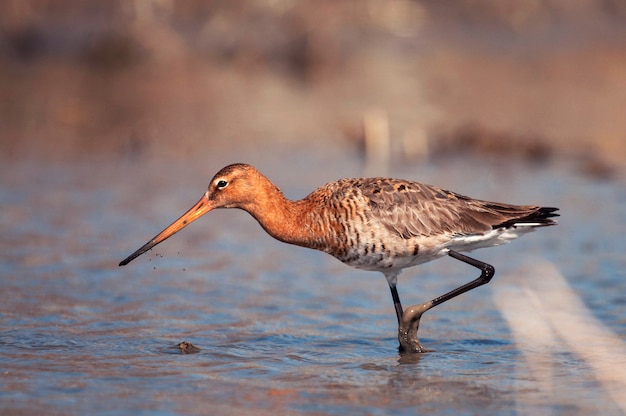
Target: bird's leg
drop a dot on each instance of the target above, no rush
(400, 315)
(409, 324)
(487, 272)
(406, 336)
(396, 303)
(392, 279)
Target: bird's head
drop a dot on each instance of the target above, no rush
(232, 187)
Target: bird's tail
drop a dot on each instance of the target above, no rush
(541, 217)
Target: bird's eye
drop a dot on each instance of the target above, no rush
(221, 184)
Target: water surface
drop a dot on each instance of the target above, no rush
(281, 328)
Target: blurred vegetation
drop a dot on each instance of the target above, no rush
(529, 78)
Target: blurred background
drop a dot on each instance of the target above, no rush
(395, 80)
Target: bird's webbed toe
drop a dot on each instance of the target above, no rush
(407, 329)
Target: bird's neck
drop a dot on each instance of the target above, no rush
(286, 220)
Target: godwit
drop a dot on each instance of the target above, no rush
(378, 224)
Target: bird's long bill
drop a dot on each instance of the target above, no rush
(202, 207)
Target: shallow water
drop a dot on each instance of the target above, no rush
(285, 329)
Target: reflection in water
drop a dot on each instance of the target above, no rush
(79, 333)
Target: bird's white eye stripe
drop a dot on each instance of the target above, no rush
(221, 183)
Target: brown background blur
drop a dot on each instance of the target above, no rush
(534, 79)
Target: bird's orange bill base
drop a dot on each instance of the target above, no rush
(202, 207)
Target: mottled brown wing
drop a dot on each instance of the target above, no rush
(413, 209)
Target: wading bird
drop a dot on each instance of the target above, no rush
(376, 224)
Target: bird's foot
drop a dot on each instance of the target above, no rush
(407, 330)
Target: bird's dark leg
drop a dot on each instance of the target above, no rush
(409, 324)
(396, 303)
(399, 314)
(487, 272)
(392, 279)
